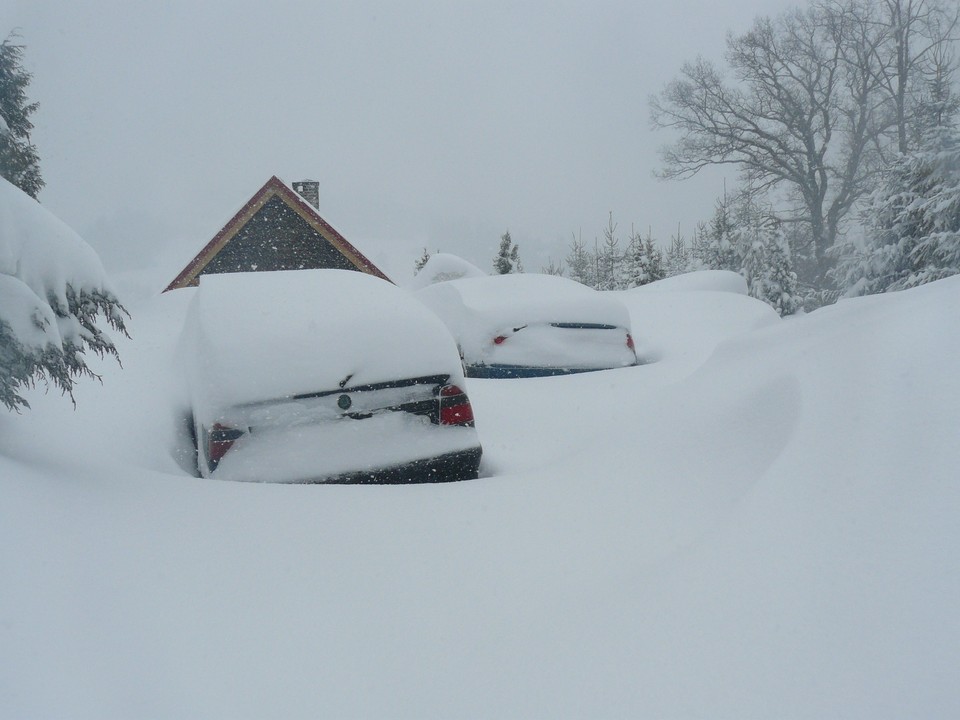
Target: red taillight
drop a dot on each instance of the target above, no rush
(500, 339)
(630, 341)
(220, 439)
(455, 408)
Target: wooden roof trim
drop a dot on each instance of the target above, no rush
(325, 229)
(273, 187)
(203, 258)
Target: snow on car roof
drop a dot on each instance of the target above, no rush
(524, 298)
(442, 267)
(263, 335)
(711, 280)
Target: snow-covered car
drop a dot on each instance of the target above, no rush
(323, 376)
(441, 267)
(529, 325)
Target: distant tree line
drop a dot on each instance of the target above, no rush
(841, 119)
(743, 236)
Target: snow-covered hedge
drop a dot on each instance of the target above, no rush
(53, 291)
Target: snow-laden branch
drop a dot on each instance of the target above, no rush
(53, 293)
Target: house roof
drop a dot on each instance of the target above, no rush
(274, 188)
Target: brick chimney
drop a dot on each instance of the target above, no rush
(309, 190)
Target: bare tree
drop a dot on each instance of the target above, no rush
(918, 33)
(552, 268)
(802, 113)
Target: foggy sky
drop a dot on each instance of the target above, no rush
(428, 124)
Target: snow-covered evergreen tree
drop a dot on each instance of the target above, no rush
(912, 221)
(753, 236)
(655, 256)
(643, 261)
(609, 259)
(780, 284)
(508, 257)
(766, 267)
(580, 264)
(677, 260)
(515, 259)
(720, 251)
(938, 106)
(52, 292)
(635, 262)
(700, 248)
(19, 160)
(937, 251)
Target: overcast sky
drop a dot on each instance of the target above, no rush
(437, 124)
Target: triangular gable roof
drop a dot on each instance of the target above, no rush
(274, 188)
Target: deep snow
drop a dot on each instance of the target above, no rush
(762, 523)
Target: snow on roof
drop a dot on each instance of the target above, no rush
(262, 335)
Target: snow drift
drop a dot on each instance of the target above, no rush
(761, 524)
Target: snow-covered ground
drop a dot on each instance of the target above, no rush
(763, 523)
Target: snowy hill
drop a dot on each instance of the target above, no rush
(762, 523)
